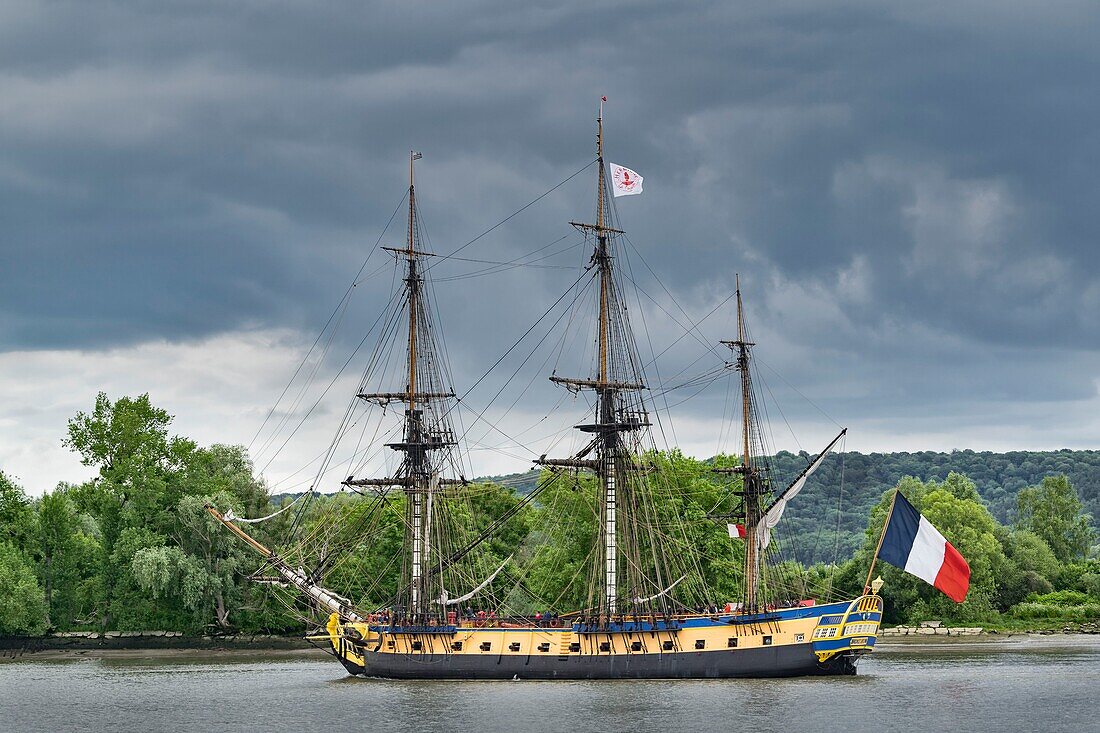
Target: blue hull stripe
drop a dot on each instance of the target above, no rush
(702, 622)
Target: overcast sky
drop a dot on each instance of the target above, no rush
(907, 189)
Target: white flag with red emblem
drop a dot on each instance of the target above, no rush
(624, 182)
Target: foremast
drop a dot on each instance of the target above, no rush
(424, 434)
(425, 445)
(612, 459)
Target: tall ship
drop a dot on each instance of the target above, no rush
(644, 605)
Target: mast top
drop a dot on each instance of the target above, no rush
(599, 191)
(599, 131)
(740, 343)
(411, 249)
(740, 310)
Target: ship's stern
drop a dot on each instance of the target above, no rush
(839, 640)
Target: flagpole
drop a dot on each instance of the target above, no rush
(881, 537)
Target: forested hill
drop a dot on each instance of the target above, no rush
(998, 476)
(812, 519)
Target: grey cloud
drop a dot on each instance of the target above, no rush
(919, 179)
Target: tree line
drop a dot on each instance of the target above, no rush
(133, 547)
(841, 493)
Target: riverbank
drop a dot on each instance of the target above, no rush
(932, 629)
(989, 640)
(114, 642)
(919, 646)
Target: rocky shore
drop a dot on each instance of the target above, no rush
(934, 629)
(930, 631)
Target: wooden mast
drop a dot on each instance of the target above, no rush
(602, 239)
(751, 482)
(417, 476)
(609, 423)
(411, 253)
(752, 487)
(608, 452)
(415, 455)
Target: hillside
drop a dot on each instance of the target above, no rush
(811, 521)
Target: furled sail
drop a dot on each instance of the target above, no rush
(231, 517)
(445, 601)
(658, 595)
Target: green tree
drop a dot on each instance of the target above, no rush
(224, 469)
(22, 603)
(952, 507)
(17, 520)
(1030, 567)
(133, 495)
(67, 556)
(1083, 575)
(132, 606)
(1053, 511)
(200, 568)
(126, 437)
(558, 552)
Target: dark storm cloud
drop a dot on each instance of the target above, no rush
(907, 191)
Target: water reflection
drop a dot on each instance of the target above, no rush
(1047, 685)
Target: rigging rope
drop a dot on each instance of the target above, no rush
(354, 282)
(517, 212)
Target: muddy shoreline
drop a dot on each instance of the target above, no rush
(122, 644)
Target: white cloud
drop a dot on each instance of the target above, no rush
(219, 390)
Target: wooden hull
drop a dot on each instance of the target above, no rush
(785, 661)
(822, 640)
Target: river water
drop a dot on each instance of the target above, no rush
(1047, 684)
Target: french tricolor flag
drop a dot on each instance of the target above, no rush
(914, 545)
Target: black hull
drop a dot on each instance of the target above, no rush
(780, 661)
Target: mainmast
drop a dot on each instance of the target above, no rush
(418, 475)
(753, 485)
(611, 421)
(607, 398)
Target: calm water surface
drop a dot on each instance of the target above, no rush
(1046, 684)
